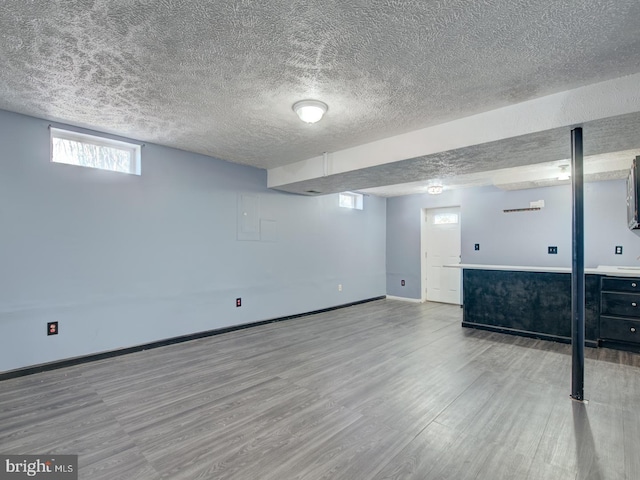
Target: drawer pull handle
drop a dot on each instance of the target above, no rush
(633, 329)
(633, 284)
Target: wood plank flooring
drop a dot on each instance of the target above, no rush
(383, 390)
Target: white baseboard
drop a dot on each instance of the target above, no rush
(404, 299)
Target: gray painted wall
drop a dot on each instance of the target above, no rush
(121, 260)
(512, 238)
(403, 238)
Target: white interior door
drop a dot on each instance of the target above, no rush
(442, 247)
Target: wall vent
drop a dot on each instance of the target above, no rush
(528, 209)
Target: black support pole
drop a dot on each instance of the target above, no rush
(577, 267)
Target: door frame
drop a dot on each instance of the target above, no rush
(423, 248)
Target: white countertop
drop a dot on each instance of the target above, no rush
(616, 271)
(599, 270)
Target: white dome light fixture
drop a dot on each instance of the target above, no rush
(564, 174)
(435, 189)
(310, 111)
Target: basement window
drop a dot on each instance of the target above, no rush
(91, 151)
(351, 200)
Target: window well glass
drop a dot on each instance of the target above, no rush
(85, 150)
(445, 218)
(351, 200)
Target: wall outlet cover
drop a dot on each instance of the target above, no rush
(476, 247)
(553, 250)
(618, 249)
(52, 328)
(238, 302)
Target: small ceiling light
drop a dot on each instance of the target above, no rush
(310, 111)
(564, 173)
(434, 189)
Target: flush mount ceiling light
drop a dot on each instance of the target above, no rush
(434, 189)
(310, 111)
(564, 173)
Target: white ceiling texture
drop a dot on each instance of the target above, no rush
(456, 92)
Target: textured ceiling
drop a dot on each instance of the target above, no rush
(609, 166)
(219, 78)
(452, 167)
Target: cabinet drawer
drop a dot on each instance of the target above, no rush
(625, 304)
(622, 329)
(621, 284)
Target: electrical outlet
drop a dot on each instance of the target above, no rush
(339, 287)
(476, 247)
(402, 282)
(618, 249)
(238, 302)
(52, 328)
(553, 250)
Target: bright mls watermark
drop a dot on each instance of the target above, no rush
(50, 467)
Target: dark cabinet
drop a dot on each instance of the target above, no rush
(620, 310)
(538, 304)
(620, 329)
(528, 303)
(625, 304)
(612, 284)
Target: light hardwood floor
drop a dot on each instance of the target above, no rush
(383, 390)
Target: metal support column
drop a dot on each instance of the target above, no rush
(577, 267)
